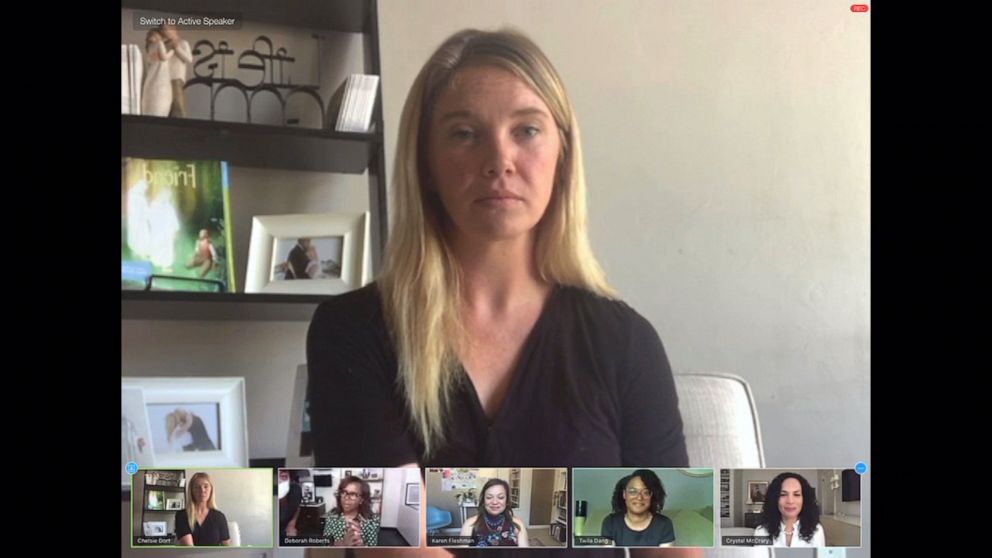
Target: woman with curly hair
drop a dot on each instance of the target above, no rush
(790, 514)
(636, 520)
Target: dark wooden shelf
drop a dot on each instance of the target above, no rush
(164, 488)
(338, 15)
(247, 145)
(172, 305)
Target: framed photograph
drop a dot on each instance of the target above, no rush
(347, 473)
(756, 492)
(154, 528)
(412, 497)
(195, 422)
(135, 434)
(299, 452)
(307, 488)
(173, 504)
(319, 253)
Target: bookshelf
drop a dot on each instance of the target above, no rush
(162, 496)
(290, 149)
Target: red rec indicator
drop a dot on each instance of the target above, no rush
(859, 7)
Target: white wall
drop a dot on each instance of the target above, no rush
(245, 496)
(408, 518)
(727, 149)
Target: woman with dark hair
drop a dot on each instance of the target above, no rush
(636, 520)
(790, 514)
(495, 525)
(352, 522)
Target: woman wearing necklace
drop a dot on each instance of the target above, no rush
(495, 525)
(636, 519)
(793, 517)
(352, 522)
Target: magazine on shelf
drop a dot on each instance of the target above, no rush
(175, 226)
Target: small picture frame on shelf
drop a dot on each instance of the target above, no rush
(320, 253)
(154, 528)
(347, 473)
(756, 492)
(412, 495)
(173, 504)
(195, 422)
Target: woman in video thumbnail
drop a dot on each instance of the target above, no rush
(352, 522)
(491, 316)
(636, 520)
(495, 525)
(790, 514)
(209, 523)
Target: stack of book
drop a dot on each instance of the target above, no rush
(357, 102)
(131, 68)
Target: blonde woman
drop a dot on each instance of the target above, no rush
(201, 523)
(491, 337)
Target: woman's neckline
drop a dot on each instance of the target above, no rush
(528, 348)
(646, 526)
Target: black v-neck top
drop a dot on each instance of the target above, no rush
(593, 388)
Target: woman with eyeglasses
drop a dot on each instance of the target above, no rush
(636, 519)
(352, 522)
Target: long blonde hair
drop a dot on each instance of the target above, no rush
(190, 505)
(420, 281)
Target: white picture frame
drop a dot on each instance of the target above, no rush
(411, 497)
(154, 528)
(135, 434)
(272, 236)
(174, 504)
(297, 414)
(229, 425)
